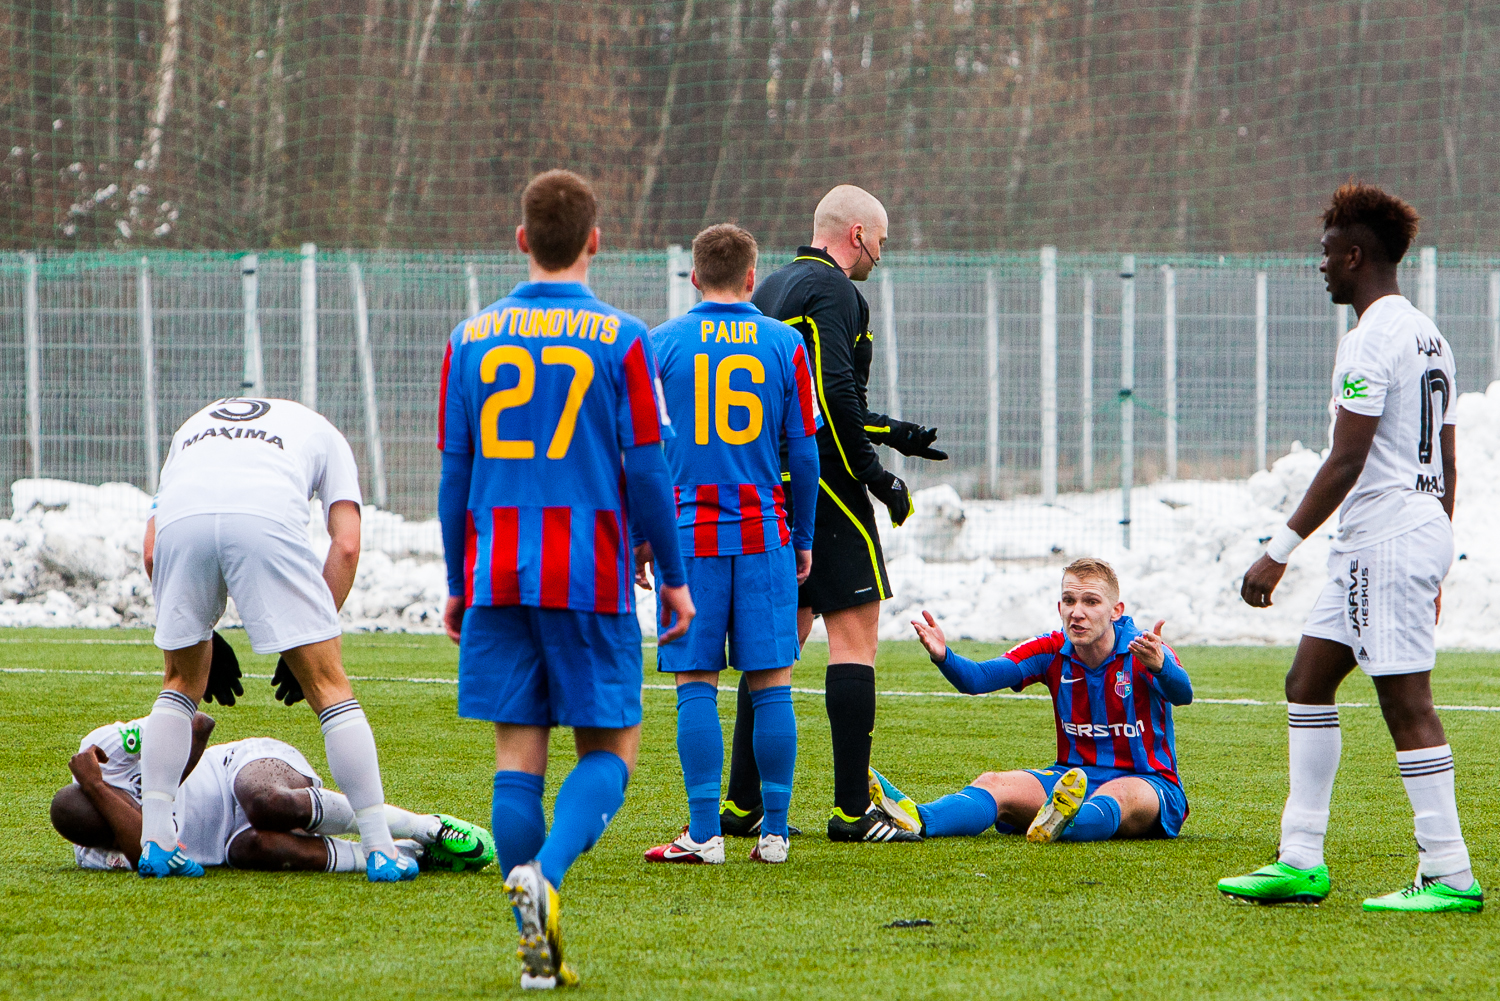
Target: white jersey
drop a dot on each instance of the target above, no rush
(1395, 365)
(260, 457)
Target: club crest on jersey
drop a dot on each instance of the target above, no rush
(241, 410)
(1122, 684)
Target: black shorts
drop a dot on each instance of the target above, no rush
(848, 565)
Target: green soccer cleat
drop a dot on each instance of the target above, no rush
(1279, 883)
(1061, 807)
(460, 846)
(1430, 897)
(898, 806)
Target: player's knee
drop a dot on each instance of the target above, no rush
(250, 851)
(276, 809)
(990, 781)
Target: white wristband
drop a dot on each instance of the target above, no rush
(1282, 543)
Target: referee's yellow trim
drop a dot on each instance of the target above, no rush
(869, 543)
(812, 258)
(822, 397)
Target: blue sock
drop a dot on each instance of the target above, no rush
(1098, 820)
(700, 746)
(969, 811)
(586, 803)
(516, 819)
(775, 753)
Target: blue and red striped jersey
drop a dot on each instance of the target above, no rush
(737, 382)
(545, 388)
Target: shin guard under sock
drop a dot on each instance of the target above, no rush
(965, 813)
(166, 744)
(516, 819)
(1098, 820)
(775, 753)
(743, 789)
(586, 803)
(700, 748)
(1442, 855)
(1314, 743)
(850, 700)
(350, 745)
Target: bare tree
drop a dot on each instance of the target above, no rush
(406, 120)
(664, 124)
(1184, 117)
(729, 130)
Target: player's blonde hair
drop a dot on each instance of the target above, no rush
(1093, 568)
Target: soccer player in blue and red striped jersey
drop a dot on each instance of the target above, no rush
(550, 425)
(740, 386)
(1113, 688)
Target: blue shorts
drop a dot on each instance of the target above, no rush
(749, 601)
(1173, 803)
(549, 667)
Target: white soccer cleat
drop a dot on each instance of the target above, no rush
(686, 851)
(770, 848)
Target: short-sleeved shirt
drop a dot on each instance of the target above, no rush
(254, 456)
(1114, 715)
(1396, 366)
(545, 389)
(738, 384)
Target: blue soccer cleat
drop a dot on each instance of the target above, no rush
(381, 869)
(159, 863)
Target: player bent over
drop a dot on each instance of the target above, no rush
(252, 804)
(230, 520)
(1391, 475)
(1113, 688)
(550, 428)
(739, 384)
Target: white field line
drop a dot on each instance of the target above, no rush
(1015, 696)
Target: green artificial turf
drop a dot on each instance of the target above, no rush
(1010, 920)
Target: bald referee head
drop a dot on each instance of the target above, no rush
(850, 224)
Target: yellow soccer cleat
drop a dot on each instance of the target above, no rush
(1061, 807)
(537, 905)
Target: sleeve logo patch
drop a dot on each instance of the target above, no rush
(1354, 389)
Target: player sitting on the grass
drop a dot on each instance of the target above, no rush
(1113, 688)
(252, 804)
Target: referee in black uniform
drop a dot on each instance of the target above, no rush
(816, 294)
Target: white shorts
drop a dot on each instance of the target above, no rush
(241, 753)
(271, 572)
(1380, 602)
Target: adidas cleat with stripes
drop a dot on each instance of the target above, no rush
(460, 846)
(901, 808)
(380, 868)
(1279, 883)
(159, 863)
(873, 826)
(685, 851)
(1061, 807)
(1430, 897)
(537, 909)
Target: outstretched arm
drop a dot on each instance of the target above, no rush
(969, 677)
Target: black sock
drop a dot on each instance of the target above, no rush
(850, 700)
(744, 776)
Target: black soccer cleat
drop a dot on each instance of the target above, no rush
(874, 825)
(737, 823)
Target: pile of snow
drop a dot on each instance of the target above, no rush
(70, 556)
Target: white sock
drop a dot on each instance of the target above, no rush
(344, 856)
(331, 812)
(1314, 742)
(1441, 853)
(166, 744)
(420, 827)
(350, 746)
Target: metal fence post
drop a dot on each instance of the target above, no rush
(892, 364)
(679, 281)
(1086, 395)
(310, 325)
(33, 324)
(148, 373)
(1127, 391)
(992, 373)
(1494, 325)
(1427, 283)
(1262, 332)
(367, 379)
(471, 278)
(249, 282)
(1049, 375)
(1169, 362)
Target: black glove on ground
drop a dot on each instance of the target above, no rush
(223, 674)
(288, 688)
(906, 438)
(891, 491)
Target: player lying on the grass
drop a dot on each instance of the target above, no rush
(253, 804)
(1391, 474)
(1113, 688)
(743, 565)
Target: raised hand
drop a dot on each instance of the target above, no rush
(1148, 650)
(931, 635)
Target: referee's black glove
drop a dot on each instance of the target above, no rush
(223, 674)
(288, 688)
(891, 491)
(906, 438)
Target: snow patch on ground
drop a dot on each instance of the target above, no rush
(71, 556)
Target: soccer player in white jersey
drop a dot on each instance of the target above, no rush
(252, 804)
(230, 520)
(1391, 475)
